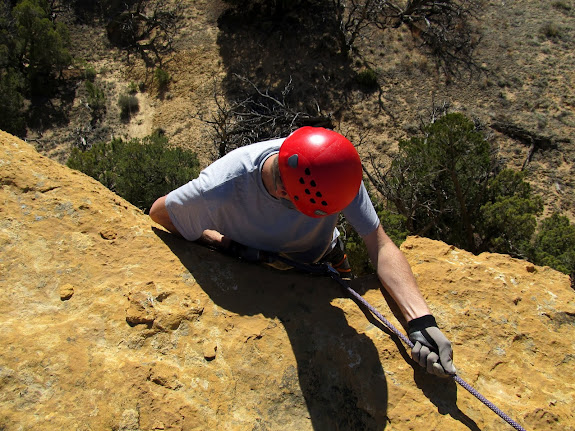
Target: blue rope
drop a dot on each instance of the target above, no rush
(327, 269)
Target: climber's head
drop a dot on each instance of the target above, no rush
(320, 170)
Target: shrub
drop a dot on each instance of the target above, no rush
(162, 78)
(90, 73)
(42, 42)
(508, 219)
(367, 79)
(129, 105)
(96, 97)
(436, 181)
(446, 186)
(554, 244)
(138, 170)
(551, 30)
(11, 103)
(132, 88)
(395, 227)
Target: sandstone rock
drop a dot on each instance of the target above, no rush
(66, 292)
(128, 351)
(210, 349)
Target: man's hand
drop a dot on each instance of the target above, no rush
(432, 350)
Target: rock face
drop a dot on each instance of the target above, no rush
(109, 323)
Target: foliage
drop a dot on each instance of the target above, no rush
(138, 170)
(96, 97)
(447, 186)
(437, 180)
(508, 218)
(129, 105)
(33, 52)
(367, 79)
(11, 103)
(554, 244)
(392, 223)
(162, 78)
(90, 73)
(41, 44)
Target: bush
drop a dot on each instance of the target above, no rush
(129, 104)
(551, 30)
(140, 171)
(395, 228)
(554, 244)
(41, 42)
(11, 103)
(367, 79)
(90, 73)
(437, 179)
(96, 97)
(162, 78)
(508, 218)
(447, 187)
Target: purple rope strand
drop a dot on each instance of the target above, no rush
(335, 275)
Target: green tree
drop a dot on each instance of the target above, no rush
(41, 48)
(11, 102)
(508, 217)
(554, 244)
(138, 170)
(438, 180)
(447, 186)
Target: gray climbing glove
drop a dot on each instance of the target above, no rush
(432, 350)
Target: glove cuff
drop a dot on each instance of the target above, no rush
(421, 323)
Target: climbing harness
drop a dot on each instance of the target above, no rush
(327, 269)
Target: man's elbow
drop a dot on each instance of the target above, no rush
(159, 214)
(158, 210)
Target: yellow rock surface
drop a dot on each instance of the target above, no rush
(109, 323)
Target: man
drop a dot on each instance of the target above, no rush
(284, 196)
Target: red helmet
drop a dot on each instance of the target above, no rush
(320, 169)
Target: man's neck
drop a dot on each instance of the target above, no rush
(267, 176)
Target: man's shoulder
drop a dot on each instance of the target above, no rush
(238, 167)
(245, 159)
(260, 147)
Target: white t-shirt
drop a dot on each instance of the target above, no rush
(229, 196)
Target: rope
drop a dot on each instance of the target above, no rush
(327, 269)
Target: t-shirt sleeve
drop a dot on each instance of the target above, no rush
(361, 214)
(187, 209)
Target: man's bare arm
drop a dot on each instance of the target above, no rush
(395, 274)
(159, 213)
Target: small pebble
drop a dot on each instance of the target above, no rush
(66, 292)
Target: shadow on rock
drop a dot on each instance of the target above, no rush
(338, 373)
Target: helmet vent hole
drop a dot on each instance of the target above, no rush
(324, 203)
(307, 192)
(312, 201)
(301, 181)
(312, 183)
(307, 171)
(318, 194)
(296, 198)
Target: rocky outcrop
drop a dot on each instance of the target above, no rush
(110, 323)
